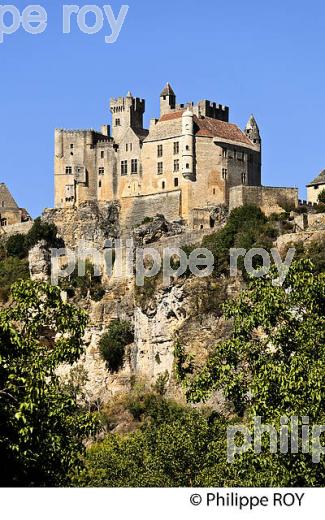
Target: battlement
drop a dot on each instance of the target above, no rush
(211, 109)
(121, 104)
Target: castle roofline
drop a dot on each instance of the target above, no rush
(210, 127)
(167, 91)
(320, 179)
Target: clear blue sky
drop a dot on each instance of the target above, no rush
(255, 56)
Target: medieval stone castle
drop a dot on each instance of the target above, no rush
(189, 161)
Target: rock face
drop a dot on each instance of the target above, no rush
(155, 230)
(39, 259)
(90, 222)
(152, 352)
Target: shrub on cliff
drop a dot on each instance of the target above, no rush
(43, 231)
(112, 344)
(247, 227)
(16, 246)
(11, 270)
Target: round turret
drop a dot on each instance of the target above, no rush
(188, 145)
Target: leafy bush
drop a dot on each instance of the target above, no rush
(112, 344)
(16, 246)
(42, 429)
(170, 449)
(43, 231)
(11, 270)
(321, 197)
(82, 286)
(247, 227)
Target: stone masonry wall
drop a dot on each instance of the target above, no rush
(135, 209)
(269, 199)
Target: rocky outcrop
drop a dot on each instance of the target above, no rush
(91, 222)
(39, 260)
(158, 228)
(154, 328)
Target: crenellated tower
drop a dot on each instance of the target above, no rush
(127, 112)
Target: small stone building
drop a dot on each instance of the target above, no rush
(10, 213)
(315, 188)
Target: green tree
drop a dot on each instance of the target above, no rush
(321, 197)
(174, 447)
(273, 366)
(16, 246)
(112, 344)
(43, 231)
(42, 428)
(12, 269)
(247, 227)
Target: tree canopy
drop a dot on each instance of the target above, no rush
(41, 427)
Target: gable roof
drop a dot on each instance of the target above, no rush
(6, 199)
(167, 91)
(208, 127)
(204, 127)
(320, 179)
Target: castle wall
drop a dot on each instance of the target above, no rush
(135, 209)
(269, 199)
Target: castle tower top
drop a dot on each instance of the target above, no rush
(127, 112)
(167, 100)
(167, 91)
(252, 131)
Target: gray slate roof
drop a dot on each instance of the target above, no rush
(320, 179)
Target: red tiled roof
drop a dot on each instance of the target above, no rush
(172, 115)
(209, 127)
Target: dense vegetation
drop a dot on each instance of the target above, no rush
(42, 428)
(14, 253)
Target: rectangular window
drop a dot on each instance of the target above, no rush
(127, 147)
(163, 185)
(100, 184)
(68, 170)
(71, 146)
(131, 147)
(134, 166)
(224, 174)
(160, 150)
(224, 152)
(102, 155)
(176, 182)
(101, 171)
(176, 148)
(176, 165)
(243, 178)
(124, 168)
(117, 122)
(160, 168)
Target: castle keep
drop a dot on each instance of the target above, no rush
(187, 162)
